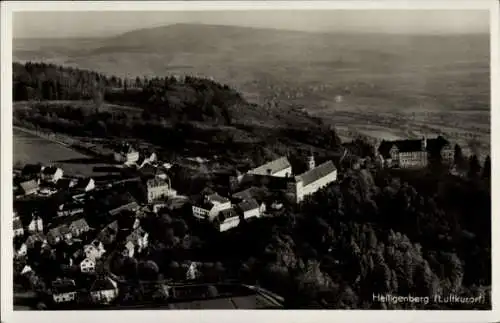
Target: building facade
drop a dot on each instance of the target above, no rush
(158, 188)
(311, 181)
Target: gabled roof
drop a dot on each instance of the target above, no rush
(248, 205)
(80, 224)
(29, 185)
(273, 166)
(226, 214)
(103, 284)
(155, 182)
(51, 170)
(63, 286)
(84, 182)
(317, 173)
(217, 198)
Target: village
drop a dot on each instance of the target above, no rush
(88, 223)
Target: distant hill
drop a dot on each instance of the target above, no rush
(306, 68)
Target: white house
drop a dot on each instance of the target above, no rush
(52, 174)
(64, 291)
(26, 269)
(104, 290)
(193, 271)
(22, 251)
(249, 208)
(78, 227)
(280, 168)
(211, 206)
(226, 220)
(36, 224)
(313, 180)
(87, 265)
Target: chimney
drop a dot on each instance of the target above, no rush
(269, 171)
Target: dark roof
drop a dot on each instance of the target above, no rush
(63, 286)
(80, 223)
(35, 237)
(248, 205)
(84, 182)
(217, 198)
(317, 173)
(253, 192)
(273, 166)
(31, 169)
(29, 185)
(64, 183)
(226, 214)
(103, 284)
(124, 207)
(51, 170)
(17, 224)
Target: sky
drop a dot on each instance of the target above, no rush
(109, 23)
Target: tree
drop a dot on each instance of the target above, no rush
(458, 156)
(487, 167)
(474, 166)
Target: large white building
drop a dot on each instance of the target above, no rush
(211, 206)
(312, 180)
(280, 168)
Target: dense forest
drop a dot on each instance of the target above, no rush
(375, 231)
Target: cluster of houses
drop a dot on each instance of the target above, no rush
(226, 213)
(84, 246)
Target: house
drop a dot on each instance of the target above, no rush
(226, 220)
(29, 187)
(211, 206)
(78, 227)
(86, 184)
(64, 291)
(36, 224)
(59, 233)
(255, 193)
(158, 188)
(138, 239)
(87, 265)
(103, 290)
(280, 168)
(17, 226)
(249, 208)
(26, 269)
(52, 174)
(126, 154)
(414, 153)
(312, 180)
(94, 250)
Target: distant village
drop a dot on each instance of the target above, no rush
(84, 240)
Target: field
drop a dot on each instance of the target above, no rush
(380, 85)
(29, 149)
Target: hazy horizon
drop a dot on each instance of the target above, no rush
(83, 24)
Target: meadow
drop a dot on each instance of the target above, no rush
(29, 149)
